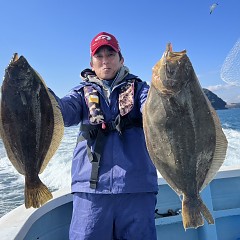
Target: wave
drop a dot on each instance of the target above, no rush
(233, 150)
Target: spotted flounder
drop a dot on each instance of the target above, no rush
(31, 126)
(183, 133)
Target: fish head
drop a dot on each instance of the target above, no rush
(172, 71)
(18, 73)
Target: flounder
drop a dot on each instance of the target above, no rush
(31, 126)
(183, 133)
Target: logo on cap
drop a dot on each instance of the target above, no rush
(103, 37)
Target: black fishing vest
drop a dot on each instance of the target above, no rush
(99, 129)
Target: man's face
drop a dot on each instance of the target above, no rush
(106, 63)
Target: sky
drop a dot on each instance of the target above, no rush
(55, 35)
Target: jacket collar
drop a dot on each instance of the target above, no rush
(90, 76)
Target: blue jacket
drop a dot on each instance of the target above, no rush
(125, 165)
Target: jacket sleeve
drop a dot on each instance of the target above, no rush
(143, 92)
(71, 107)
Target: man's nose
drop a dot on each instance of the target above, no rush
(105, 59)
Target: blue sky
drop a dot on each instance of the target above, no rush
(54, 36)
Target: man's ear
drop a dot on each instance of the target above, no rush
(91, 65)
(122, 60)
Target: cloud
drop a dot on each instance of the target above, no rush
(220, 87)
(229, 93)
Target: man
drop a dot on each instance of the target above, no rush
(114, 182)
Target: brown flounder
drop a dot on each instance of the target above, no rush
(31, 126)
(183, 133)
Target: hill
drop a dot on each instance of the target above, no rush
(216, 102)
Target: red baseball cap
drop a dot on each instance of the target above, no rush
(104, 38)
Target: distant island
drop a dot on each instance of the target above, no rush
(217, 103)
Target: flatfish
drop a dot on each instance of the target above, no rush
(31, 126)
(183, 133)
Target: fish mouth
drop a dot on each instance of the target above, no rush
(14, 58)
(168, 49)
(169, 52)
(13, 72)
(11, 64)
(173, 62)
(175, 55)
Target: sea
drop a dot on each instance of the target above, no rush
(57, 174)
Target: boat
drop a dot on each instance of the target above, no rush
(222, 197)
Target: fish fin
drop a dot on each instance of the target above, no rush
(36, 194)
(58, 130)
(10, 150)
(193, 211)
(220, 149)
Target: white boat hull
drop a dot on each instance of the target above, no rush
(52, 220)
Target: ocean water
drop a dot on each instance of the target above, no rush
(57, 174)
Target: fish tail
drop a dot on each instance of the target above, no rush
(206, 213)
(193, 211)
(36, 193)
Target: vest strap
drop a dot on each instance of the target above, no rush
(99, 134)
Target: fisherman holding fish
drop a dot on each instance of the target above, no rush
(114, 182)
